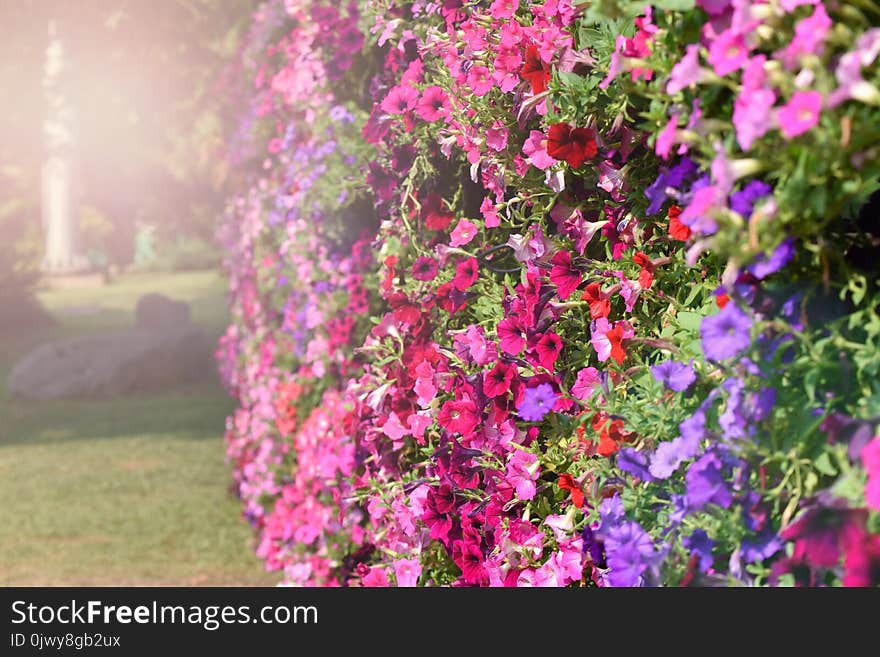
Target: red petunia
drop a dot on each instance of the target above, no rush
(565, 276)
(574, 145)
(459, 416)
(721, 299)
(434, 214)
(496, 381)
(465, 274)
(548, 348)
(611, 433)
(567, 482)
(646, 275)
(405, 311)
(677, 230)
(535, 71)
(600, 305)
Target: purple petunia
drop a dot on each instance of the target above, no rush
(706, 484)
(537, 402)
(634, 462)
(700, 544)
(669, 455)
(675, 376)
(763, 266)
(726, 334)
(744, 200)
(629, 549)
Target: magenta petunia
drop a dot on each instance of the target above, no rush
(752, 115)
(400, 99)
(728, 53)
(871, 461)
(433, 105)
(548, 347)
(687, 72)
(800, 114)
(511, 335)
(666, 138)
(424, 268)
(565, 276)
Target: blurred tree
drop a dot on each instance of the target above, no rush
(149, 117)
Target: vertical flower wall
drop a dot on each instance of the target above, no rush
(556, 294)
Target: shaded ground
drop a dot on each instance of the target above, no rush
(123, 491)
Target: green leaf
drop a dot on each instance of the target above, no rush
(674, 5)
(688, 320)
(823, 464)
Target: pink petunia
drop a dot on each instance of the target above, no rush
(463, 233)
(587, 381)
(666, 138)
(548, 347)
(535, 149)
(728, 53)
(752, 115)
(607, 340)
(871, 461)
(511, 335)
(433, 105)
(496, 136)
(479, 80)
(687, 72)
(809, 34)
(503, 8)
(407, 572)
(400, 100)
(490, 213)
(800, 114)
(394, 429)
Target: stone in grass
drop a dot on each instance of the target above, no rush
(112, 364)
(157, 312)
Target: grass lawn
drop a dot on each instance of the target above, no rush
(127, 491)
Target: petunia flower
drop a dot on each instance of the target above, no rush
(511, 335)
(424, 268)
(496, 382)
(726, 333)
(675, 376)
(687, 72)
(728, 53)
(400, 99)
(465, 274)
(871, 460)
(809, 34)
(800, 114)
(459, 416)
(522, 471)
(587, 381)
(549, 346)
(599, 301)
(433, 105)
(566, 277)
(535, 150)
(535, 70)
(666, 138)
(706, 483)
(407, 572)
(677, 230)
(463, 233)
(608, 340)
(573, 145)
(536, 403)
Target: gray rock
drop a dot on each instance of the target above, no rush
(156, 311)
(117, 363)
